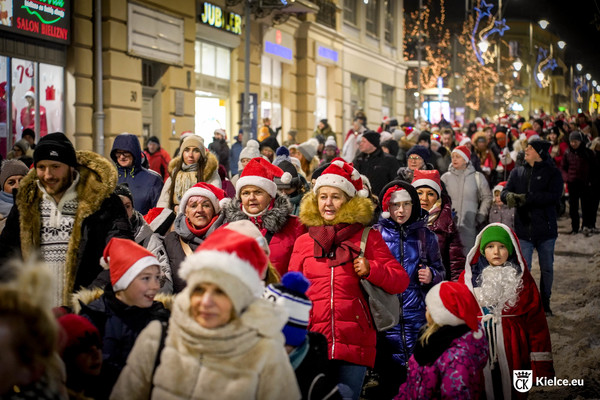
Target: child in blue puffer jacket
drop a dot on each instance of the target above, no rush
(403, 225)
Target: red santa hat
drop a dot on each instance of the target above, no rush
(530, 135)
(160, 219)
(452, 303)
(394, 194)
(125, 259)
(429, 178)
(463, 151)
(231, 260)
(344, 176)
(218, 198)
(500, 186)
(261, 173)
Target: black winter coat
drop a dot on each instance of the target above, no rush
(119, 326)
(543, 184)
(379, 167)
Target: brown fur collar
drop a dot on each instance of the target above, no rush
(273, 220)
(86, 296)
(212, 163)
(97, 180)
(358, 209)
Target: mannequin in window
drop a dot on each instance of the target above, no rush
(28, 115)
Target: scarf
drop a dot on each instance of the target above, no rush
(185, 179)
(332, 241)
(180, 227)
(435, 211)
(202, 231)
(233, 339)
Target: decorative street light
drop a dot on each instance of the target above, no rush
(561, 44)
(579, 67)
(594, 83)
(588, 76)
(543, 23)
(540, 76)
(517, 64)
(483, 45)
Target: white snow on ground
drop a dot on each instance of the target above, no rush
(575, 326)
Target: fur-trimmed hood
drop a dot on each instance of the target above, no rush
(273, 220)
(97, 180)
(357, 209)
(87, 296)
(212, 164)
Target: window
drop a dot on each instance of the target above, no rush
(372, 17)
(350, 11)
(212, 60)
(357, 94)
(270, 102)
(389, 21)
(321, 106)
(387, 100)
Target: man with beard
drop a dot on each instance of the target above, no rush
(511, 311)
(65, 211)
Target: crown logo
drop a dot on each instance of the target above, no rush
(523, 374)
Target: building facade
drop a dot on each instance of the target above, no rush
(155, 68)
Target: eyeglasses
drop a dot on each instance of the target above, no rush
(125, 154)
(414, 158)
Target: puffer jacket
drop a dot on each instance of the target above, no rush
(159, 162)
(451, 247)
(471, 200)
(578, 165)
(543, 184)
(145, 184)
(284, 228)
(119, 326)
(456, 373)
(340, 311)
(408, 242)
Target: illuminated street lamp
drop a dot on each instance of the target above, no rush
(594, 83)
(561, 44)
(588, 76)
(483, 45)
(540, 76)
(515, 74)
(543, 23)
(517, 64)
(579, 67)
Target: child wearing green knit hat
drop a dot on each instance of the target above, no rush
(496, 245)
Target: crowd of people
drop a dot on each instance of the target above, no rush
(243, 272)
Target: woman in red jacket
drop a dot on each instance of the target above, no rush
(258, 201)
(336, 213)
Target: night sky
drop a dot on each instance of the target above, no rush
(577, 22)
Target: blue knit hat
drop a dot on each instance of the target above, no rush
(290, 293)
(421, 151)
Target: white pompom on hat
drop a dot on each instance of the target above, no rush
(344, 176)
(218, 198)
(453, 304)
(261, 173)
(500, 186)
(125, 259)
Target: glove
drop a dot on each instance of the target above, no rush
(510, 200)
(520, 199)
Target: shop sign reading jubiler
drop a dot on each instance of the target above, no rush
(215, 16)
(44, 19)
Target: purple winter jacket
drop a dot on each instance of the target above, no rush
(456, 374)
(451, 247)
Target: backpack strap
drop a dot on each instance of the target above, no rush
(164, 325)
(363, 240)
